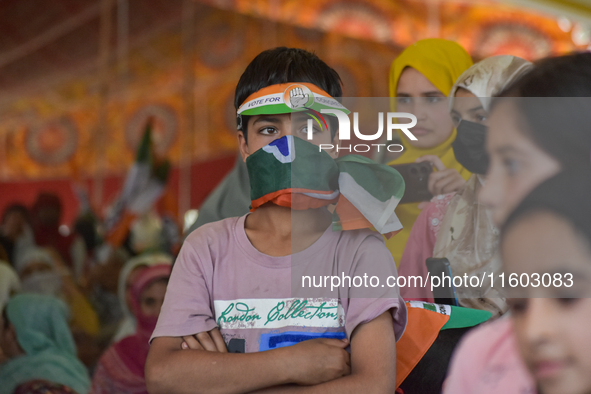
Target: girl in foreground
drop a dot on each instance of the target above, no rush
(548, 239)
(530, 140)
(456, 226)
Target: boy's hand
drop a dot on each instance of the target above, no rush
(444, 180)
(319, 360)
(211, 341)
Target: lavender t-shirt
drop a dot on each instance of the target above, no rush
(220, 279)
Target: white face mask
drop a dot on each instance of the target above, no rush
(46, 283)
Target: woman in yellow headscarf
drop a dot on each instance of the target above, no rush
(420, 80)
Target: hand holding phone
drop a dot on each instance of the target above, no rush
(446, 292)
(416, 180)
(444, 180)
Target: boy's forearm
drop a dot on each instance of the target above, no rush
(195, 371)
(348, 384)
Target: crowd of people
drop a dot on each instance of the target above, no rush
(509, 142)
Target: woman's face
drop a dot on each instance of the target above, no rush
(152, 297)
(552, 323)
(468, 107)
(517, 164)
(418, 96)
(129, 282)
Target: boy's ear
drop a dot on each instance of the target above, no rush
(242, 145)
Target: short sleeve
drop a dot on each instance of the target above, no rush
(187, 307)
(374, 267)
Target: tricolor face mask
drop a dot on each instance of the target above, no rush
(294, 173)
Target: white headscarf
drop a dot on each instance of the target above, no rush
(34, 255)
(9, 283)
(127, 326)
(489, 77)
(467, 236)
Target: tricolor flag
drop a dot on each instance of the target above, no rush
(144, 185)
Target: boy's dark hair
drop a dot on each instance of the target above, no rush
(553, 101)
(283, 65)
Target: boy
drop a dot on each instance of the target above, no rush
(231, 290)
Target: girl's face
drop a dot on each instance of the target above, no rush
(152, 297)
(418, 96)
(468, 107)
(517, 164)
(552, 323)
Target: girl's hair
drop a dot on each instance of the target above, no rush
(554, 101)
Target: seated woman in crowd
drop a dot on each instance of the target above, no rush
(121, 368)
(46, 215)
(456, 226)
(548, 240)
(36, 339)
(127, 276)
(16, 234)
(9, 284)
(538, 127)
(420, 80)
(40, 386)
(43, 272)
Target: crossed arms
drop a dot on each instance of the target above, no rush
(314, 366)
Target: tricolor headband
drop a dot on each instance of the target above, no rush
(287, 98)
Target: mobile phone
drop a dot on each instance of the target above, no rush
(416, 181)
(446, 292)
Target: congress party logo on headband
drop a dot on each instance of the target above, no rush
(298, 96)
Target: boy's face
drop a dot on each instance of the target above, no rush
(264, 129)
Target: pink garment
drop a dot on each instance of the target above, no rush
(487, 362)
(220, 279)
(120, 369)
(419, 247)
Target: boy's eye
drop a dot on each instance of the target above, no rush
(267, 130)
(403, 100)
(456, 119)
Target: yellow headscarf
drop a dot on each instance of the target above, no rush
(441, 62)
